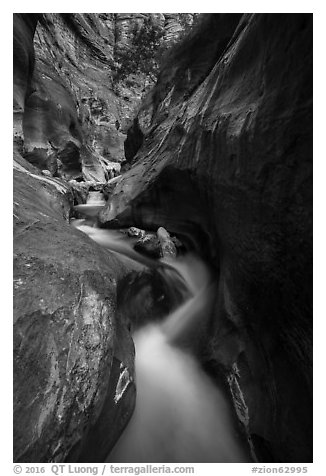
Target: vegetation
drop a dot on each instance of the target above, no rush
(143, 56)
(146, 50)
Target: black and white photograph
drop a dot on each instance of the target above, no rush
(163, 241)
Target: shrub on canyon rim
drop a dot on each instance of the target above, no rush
(148, 47)
(143, 57)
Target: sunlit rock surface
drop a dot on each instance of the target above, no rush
(227, 165)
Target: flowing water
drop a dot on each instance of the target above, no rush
(180, 414)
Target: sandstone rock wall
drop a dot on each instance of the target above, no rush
(23, 33)
(227, 163)
(72, 112)
(73, 355)
(70, 115)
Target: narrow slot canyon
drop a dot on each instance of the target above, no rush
(162, 238)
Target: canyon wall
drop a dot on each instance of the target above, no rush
(73, 356)
(221, 155)
(226, 163)
(73, 114)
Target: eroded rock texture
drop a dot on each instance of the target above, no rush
(71, 115)
(73, 355)
(227, 164)
(23, 33)
(71, 111)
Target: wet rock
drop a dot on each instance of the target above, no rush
(95, 198)
(149, 245)
(80, 190)
(73, 358)
(47, 172)
(168, 249)
(149, 295)
(227, 167)
(177, 243)
(134, 232)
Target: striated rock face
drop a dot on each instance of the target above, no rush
(73, 355)
(227, 165)
(70, 115)
(24, 28)
(23, 33)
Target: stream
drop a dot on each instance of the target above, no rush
(181, 415)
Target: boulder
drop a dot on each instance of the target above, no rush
(73, 356)
(149, 245)
(46, 172)
(168, 248)
(177, 243)
(95, 198)
(149, 295)
(134, 232)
